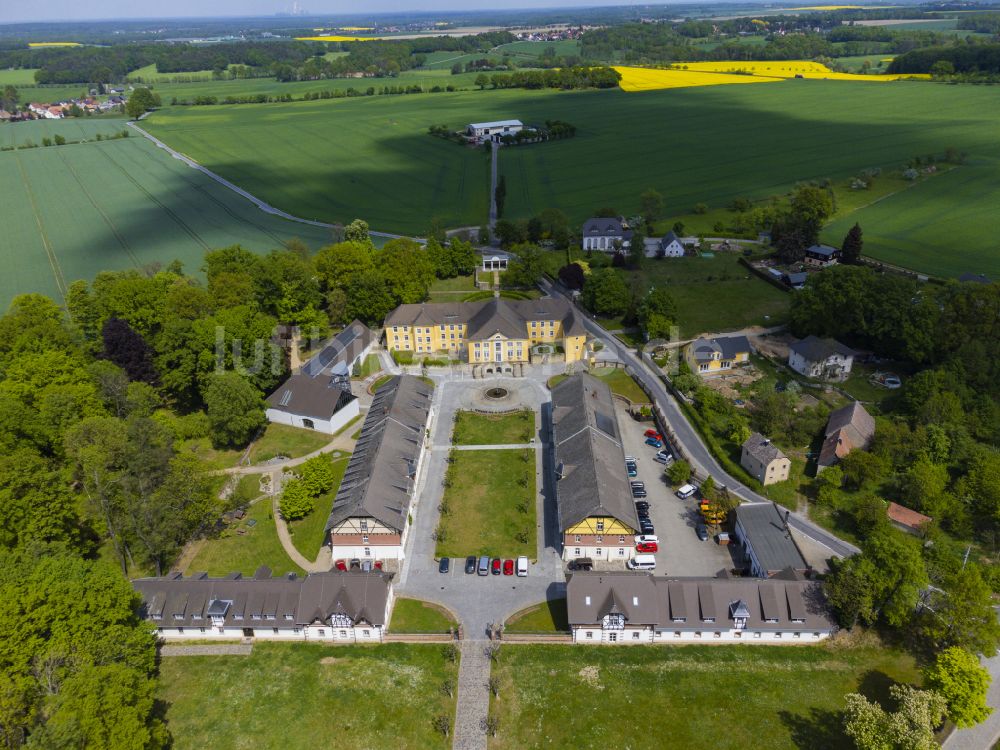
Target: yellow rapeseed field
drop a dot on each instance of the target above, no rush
(647, 79)
(725, 72)
(53, 44)
(334, 38)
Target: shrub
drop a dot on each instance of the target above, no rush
(402, 357)
(296, 502)
(317, 475)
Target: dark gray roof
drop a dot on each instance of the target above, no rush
(668, 238)
(342, 348)
(762, 449)
(174, 601)
(487, 317)
(979, 278)
(847, 428)
(795, 279)
(727, 346)
(589, 454)
(600, 227)
(317, 398)
(322, 387)
(824, 250)
(765, 531)
(814, 349)
(380, 474)
(658, 601)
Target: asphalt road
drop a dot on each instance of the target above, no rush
(690, 442)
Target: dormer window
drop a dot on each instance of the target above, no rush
(600, 525)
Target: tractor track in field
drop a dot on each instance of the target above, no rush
(49, 250)
(259, 203)
(169, 211)
(107, 219)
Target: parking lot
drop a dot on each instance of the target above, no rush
(680, 553)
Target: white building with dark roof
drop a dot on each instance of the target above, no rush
(493, 131)
(334, 606)
(764, 460)
(618, 607)
(609, 235)
(369, 519)
(824, 359)
(766, 541)
(318, 397)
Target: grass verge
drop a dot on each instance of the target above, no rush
(548, 617)
(415, 616)
(485, 429)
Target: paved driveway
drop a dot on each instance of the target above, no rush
(681, 552)
(480, 600)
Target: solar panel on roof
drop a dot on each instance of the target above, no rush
(285, 398)
(605, 423)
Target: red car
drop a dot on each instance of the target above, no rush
(495, 567)
(647, 547)
(508, 567)
(378, 565)
(340, 565)
(653, 434)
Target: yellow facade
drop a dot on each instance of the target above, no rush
(450, 338)
(606, 525)
(716, 365)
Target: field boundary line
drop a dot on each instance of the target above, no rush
(107, 219)
(261, 204)
(49, 250)
(169, 211)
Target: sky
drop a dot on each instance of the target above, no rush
(75, 10)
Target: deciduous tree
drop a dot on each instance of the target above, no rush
(235, 409)
(963, 683)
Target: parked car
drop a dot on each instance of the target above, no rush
(470, 565)
(632, 469)
(522, 566)
(631, 459)
(702, 532)
(445, 565)
(484, 566)
(508, 567)
(638, 483)
(642, 539)
(663, 457)
(582, 563)
(340, 565)
(653, 434)
(495, 566)
(654, 442)
(355, 564)
(642, 505)
(648, 547)
(686, 491)
(646, 527)
(638, 492)
(892, 382)
(641, 562)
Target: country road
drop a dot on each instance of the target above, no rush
(262, 205)
(690, 441)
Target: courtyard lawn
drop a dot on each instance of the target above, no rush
(415, 616)
(245, 552)
(690, 697)
(622, 384)
(490, 504)
(370, 366)
(299, 695)
(485, 429)
(548, 617)
(308, 534)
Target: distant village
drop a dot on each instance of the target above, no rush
(88, 105)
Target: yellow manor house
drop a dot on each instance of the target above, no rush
(495, 330)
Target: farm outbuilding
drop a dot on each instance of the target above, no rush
(493, 131)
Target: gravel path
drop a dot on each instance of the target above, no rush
(222, 649)
(473, 703)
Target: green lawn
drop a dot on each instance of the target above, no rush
(456, 284)
(245, 552)
(299, 695)
(72, 211)
(621, 383)
(687, 697)
(291, 442)
(308, 533)
(483, 500)
(548, 617)
(370, 366)
(415, 616)
(483, 429)
(17, 77)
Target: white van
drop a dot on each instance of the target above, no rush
(642, 562)
(522, 566)
(686, 491)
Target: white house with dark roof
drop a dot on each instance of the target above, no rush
(348, 606)
(608, 235)
(370, 515)
(824, 359)
(636, 608)
(493, 131)
(671, 246)
(821, 256)
(766, 541)
(319, 397)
